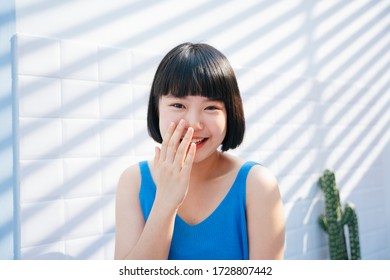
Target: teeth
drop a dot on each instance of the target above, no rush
(197, 140)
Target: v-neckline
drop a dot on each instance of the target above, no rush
(219, 206)
(209, 216)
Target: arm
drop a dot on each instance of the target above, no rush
(266, 228)
(136, 239)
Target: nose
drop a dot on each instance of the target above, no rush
(194, 120)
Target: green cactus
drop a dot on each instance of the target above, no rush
(334, 221)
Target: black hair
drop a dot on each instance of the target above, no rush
(199, 70)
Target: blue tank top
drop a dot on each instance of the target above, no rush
(221, 236)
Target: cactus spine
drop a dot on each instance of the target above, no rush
(334, 221)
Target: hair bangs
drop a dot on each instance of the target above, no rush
(194, 74)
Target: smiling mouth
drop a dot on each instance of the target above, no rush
(196, 141)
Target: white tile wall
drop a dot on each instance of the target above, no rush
(80, 99)
(111, 168)
(83, 217)
(79, 61)
(116, 137)
(40, 138)
(81, 138)
(82, 121)
(32, 90)
(42, 223)
(140, 98)
(82, 177)
(114, 65)
(38, 57)
(116, 101)
(55, 251)
(34, 188)
(144, 66)
(76, 135)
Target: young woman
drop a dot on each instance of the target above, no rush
(193, 200)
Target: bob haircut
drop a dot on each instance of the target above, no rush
(198, 70)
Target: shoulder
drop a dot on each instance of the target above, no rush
(262, 190)
(261, 179)
(131, 173)
(129, 180)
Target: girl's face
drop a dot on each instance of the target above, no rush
(207, 117)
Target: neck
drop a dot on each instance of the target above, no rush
(207, 169)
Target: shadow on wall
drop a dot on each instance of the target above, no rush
(296, 125)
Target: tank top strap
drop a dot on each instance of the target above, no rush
(244, 171)
(240, 181)
(146, 175)
(147, 189)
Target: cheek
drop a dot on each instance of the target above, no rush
(223, 131)
(165, 120)
(218, 126)
(222, 123)
(163, 126)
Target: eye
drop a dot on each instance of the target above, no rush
(212, 108)
(178, 106)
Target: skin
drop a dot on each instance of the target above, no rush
(188, 175)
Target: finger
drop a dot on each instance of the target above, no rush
(166, 139)
(175, 141)
(157, 153)
(183, 148)
(187, 166)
